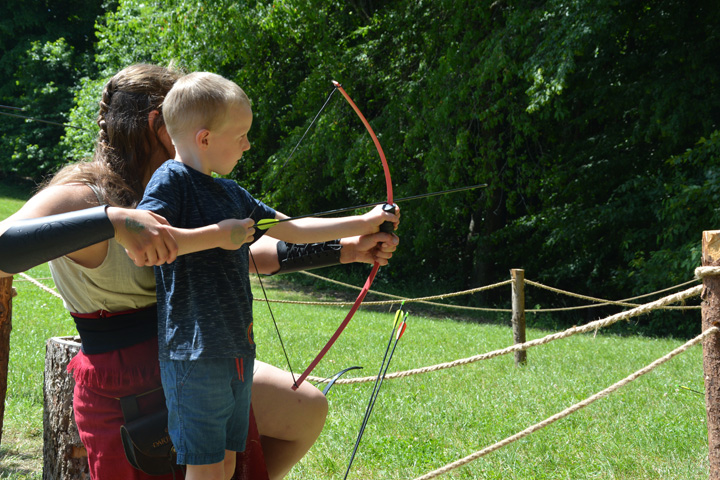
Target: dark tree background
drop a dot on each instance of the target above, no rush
(46, 47)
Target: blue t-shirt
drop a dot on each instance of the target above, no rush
(204, 298)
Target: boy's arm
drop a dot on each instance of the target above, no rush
(311, 230)
(229, 234)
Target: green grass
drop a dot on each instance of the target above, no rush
(12, 196)
(651, 429)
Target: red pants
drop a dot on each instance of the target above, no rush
(100, 380)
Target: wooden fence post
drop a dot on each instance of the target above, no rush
(518, 313)
(711, 348)
(6, 294)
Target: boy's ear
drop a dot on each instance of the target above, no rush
(202, 139)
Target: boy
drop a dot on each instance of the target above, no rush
(204, 298)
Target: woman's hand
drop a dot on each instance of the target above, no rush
(375, 247)
(145, 236)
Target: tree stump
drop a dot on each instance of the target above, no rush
(64, 456)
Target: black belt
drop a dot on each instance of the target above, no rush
(102, 331)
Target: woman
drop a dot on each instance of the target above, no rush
(102, 287)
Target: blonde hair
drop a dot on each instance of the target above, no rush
(200, 100)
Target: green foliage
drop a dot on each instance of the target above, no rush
(45, 51)
(618, 89)
(575, 113)
(690, 204)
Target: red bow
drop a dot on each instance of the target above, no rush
(376, 266)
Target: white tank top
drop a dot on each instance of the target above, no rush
(116, 285)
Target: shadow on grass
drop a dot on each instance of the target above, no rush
(18, 464)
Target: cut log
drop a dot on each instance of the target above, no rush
(64, 456)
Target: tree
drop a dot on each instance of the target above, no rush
(46, 49)
(595, 125)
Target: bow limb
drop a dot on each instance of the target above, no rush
(386, 168)
(387, 226)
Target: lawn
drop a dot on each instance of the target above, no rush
(652, 428)
(655, 428)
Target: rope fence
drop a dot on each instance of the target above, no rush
(589, 327)
(636, 310)
(592, 326)
(700, 272)
(597, 302)
(560, 415)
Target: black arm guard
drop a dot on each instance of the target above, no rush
(306, 256)
(34, 241)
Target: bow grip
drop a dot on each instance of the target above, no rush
(388, 227)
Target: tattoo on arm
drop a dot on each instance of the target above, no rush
(237, 235)
(134, 226)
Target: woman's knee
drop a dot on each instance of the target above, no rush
(316, 406)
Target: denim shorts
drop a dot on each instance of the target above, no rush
(208, 404)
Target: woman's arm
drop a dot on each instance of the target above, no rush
(375, 247)
(136, 230)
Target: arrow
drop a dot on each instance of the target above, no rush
(271, 222)
(397, 332)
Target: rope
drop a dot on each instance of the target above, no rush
(596, 325)
(40, 285)
(569, 410)
(600, 302)
(702, 272)
(645, 295)
(592, 326)
(408, 300)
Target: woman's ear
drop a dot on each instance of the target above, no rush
(162, 134)
(152, 117)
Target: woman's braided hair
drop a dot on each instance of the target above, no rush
(125, 142)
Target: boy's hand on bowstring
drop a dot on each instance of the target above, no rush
(235, 233)
(378, 215)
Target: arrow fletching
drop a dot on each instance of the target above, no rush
(266, 223)
(402, 328)
(398, 314)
